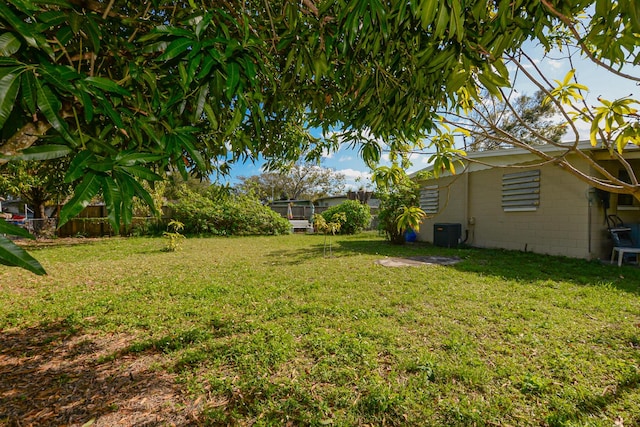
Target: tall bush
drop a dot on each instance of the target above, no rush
(357, 216)
(218, 213)
(399, 208)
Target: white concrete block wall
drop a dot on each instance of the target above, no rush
(558, 227)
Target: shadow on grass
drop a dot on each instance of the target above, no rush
(53, 376)
(62, 242)
(593, 405)
(509, 265)
(70, 242)
(300, 255)
(347, 246)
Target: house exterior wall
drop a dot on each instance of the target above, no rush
(569, 220)
(330, 201)
(452, 207)
(557, 227)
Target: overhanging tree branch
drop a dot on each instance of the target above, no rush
(585, 49)
(24, 138)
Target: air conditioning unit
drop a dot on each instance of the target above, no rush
(447, 235)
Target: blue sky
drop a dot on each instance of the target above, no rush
(600, 82)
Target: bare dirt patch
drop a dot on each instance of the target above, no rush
(53, 377)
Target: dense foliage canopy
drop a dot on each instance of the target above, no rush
(133, 89)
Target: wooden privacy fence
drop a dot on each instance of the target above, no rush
(93, 222)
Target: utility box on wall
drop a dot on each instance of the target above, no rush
(447, 235)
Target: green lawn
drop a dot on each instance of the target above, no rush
(267, 331)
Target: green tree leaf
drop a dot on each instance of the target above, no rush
(130, 159)
(177, 48)
(106, 85)
(127, 191)
(15, 256)
(113, 201)
(9, 85)
(9, 44)
(58, 77)
(144, 195)
(50, 106)
(428, 12)
(141, 172)
(82, 196)
(14, 230)
(78, 165)
(193, 152)
(233, 78)
(28, 88)
(14, 21)
(44, 152)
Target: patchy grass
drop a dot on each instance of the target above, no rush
(266, 331)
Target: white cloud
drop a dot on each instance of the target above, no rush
(531, 66)
(345, 159)
(355, 179)
(554, 63)
(583, 128)
(350, 173)
(419, 162)
(327, 154)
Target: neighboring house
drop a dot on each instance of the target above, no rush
(509, 199)
(16, 207)
(327, 202)
(361, 195)
(299, 210)
(295, 209)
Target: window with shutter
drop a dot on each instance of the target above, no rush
(521, 191)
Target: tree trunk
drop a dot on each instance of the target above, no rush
(37, 198)
(39, 212)
(25, 137)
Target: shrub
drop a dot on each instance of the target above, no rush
(330, 227)
(174, 236)
(358, 216)
(222, 214)
(398, 210)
